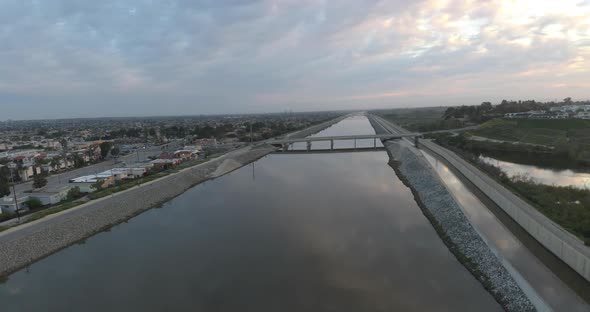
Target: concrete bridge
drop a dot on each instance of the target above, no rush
(284, 143)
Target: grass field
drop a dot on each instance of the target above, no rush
(536, 131)
(420, 119)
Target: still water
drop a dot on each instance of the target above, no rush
(542, 175)
(292, 232)
(354, 125)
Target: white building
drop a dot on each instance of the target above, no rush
(8, 205)
(51, 196)
(87, 184)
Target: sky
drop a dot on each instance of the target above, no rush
(72, 58)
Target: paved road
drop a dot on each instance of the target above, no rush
(56, 180)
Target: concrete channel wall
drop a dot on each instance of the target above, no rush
(563, 244)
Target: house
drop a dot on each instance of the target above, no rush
(583, 115)
(185, 154)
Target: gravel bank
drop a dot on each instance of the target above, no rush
(21, 247)
(447, 217)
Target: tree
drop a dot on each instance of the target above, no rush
(64, 147)
(39, 181)
(105, 148)
(55, 163)
(486, 106)
(79, 162)
(73, 193)
(115, 151)
(98, 185)
(4, 181)
(16, 173)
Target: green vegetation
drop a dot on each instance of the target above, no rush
(78, 161)
(420, 119)
(115, 151)
(39, 181)
(45, 212)
(5, 216)
(4, 181)
(567, 206)
(569, 139)
(73, 193)
(105, 149)
(33, 203)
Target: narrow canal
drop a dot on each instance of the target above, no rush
(541, 175)
(291, 232)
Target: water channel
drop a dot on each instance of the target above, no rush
(553, 281)
(542, 175)
(290, 232)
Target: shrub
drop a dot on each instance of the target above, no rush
(73, 193)
(33, 203)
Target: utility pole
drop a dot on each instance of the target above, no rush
(250, 133)
(16, 208)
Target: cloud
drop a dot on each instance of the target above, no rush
(71, 58)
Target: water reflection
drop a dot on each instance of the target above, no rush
(354, 125)
(555, 293)
(306, 232)
(541, 175)
(312, 232)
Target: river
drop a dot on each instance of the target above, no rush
(542, 175)
(290, 232)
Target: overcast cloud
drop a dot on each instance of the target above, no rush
(71, 58)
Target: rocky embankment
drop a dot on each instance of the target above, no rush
(454, 228)
(23, 245)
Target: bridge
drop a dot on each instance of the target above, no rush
(284, 143)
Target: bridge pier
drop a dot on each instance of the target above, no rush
(374, 142)
(416, 141)
(354, 143)
(331, 145)
(308, 146)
